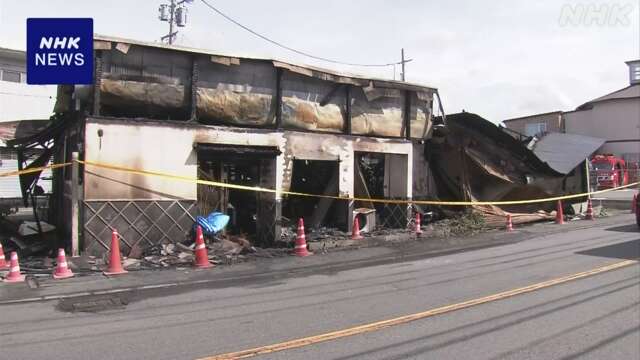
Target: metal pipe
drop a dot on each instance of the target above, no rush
(75, 211)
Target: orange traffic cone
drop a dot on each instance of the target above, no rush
(509, 223)
(589, 214)
(634, 203)
(3, 262)
(559, 214)
(418, 225)
(355, 234)
(115, 264)
(301, 241)
(62, 270)
(14, 271)
(202, 257)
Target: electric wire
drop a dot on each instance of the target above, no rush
(263, 37)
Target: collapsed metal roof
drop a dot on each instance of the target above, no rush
(19, 129)
(563, 152)
(502, 138)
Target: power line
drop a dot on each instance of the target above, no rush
(263, 37)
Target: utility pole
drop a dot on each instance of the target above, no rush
(174, 13)
(402, 62)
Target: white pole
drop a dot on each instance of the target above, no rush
(75, 211)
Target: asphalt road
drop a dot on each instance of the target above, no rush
(596, 317)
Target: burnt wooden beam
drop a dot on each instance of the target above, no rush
(97, 81)
(347, 120)
(407, 114)
(193, 103)
(278, 124)
(325, 100)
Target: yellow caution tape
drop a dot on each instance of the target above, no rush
(386, 201)
(33, 170)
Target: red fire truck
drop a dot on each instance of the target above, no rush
(611, 171)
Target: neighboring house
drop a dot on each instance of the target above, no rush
(614, 117)
(536, 124)
(18, 102)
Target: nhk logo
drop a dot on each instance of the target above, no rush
(593, 14)
(55, 59)
(59, 51)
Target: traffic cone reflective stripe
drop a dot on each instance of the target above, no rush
(509, 223)
(559, 214)
(301, 241)
(418, 224)
(115, 264)
(202, 257)
(14, 270)
(589, 214)
(3, 261)
(355, 234)
(62, 269)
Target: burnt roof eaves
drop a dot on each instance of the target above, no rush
(53, 129)
(10, 130)
(318, 72)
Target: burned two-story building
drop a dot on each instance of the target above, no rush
(196, 114)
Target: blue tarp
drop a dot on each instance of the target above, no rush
(213, 223)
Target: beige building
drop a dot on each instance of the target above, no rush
(614, 117)
(537, 124)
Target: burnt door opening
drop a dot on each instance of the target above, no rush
(315, 177)
(382, 176)
(251, 213)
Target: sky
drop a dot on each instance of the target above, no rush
(500, 59)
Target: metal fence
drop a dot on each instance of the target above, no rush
(139, 222)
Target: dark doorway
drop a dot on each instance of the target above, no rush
(251, 212)
(315, 177)
(382, 176)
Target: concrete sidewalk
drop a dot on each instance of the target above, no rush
(377, 251)
(618, 199)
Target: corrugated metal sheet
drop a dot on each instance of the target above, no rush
(563, 152)
(10, 185)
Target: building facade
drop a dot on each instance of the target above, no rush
(537, 124)
(205, 118)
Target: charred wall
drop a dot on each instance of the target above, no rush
(168, 147)
(156, 82)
